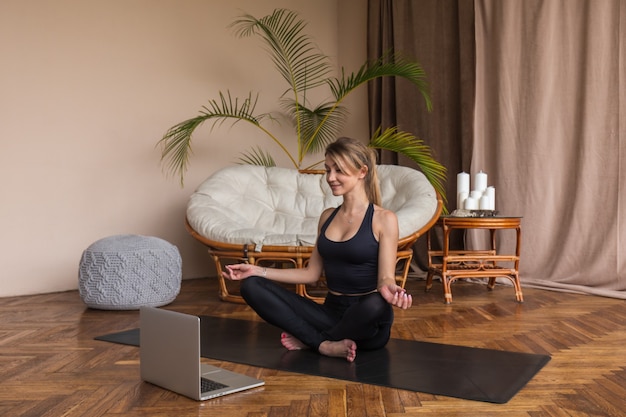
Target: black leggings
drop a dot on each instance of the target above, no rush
(366, 319)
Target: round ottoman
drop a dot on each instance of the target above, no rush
(125, 272)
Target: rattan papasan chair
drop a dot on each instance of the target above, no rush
(269, 216)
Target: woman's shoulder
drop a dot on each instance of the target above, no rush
(384, 216)
(326, 214)
(381, 211)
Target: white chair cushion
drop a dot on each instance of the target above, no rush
(246, 204)
(408, 193)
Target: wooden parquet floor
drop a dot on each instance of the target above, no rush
(50, 364)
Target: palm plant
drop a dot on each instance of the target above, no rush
(304, 68)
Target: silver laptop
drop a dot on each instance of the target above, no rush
(169, 346)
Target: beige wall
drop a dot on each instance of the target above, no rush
(86, 90)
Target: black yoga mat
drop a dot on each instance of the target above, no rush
(456, 371)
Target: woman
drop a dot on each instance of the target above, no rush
(355, 249)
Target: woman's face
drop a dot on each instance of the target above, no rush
(341, 180)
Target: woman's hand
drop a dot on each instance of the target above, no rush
(396, 296)
(238, 272)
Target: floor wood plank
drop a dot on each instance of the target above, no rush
(50, 364)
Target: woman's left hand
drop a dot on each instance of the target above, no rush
(396, 296)
(237, 272)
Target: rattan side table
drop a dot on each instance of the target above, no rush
(451, 265)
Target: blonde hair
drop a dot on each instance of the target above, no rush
(352, 155)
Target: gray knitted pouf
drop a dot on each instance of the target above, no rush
(125, 272)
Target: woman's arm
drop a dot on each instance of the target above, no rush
(385, 225)
(307, 275)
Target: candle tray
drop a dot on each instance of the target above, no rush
(474, 213)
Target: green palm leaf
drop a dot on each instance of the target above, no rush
(318, 126)
(176, 146)
(390, 65)
(257, 156)
(295, 56)
(407, 144)
(176, 143)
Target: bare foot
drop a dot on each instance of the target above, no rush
(345, 348)
(290, 342)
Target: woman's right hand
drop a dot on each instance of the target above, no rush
(237, 272)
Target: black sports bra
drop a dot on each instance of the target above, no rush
(351, 266)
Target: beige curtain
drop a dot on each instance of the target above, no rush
(547, 121)
(550, 130)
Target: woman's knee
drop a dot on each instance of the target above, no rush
(375, 305)
(251, 286)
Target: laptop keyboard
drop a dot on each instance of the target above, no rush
(207, 385)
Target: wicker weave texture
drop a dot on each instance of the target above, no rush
(125, 272)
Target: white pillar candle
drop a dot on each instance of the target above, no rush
(480, 181)
(491, 193)
(462, 182)
(483, 204)
(476, 194)
(460, 199)
(471, 204)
